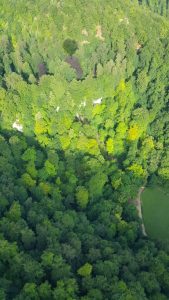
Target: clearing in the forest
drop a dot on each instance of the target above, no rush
(155, 209)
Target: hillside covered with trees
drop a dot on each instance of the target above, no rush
(84, 119)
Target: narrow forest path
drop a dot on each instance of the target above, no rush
(137, 203)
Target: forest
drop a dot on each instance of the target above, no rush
(84, 124)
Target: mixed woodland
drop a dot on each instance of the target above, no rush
(84, 121)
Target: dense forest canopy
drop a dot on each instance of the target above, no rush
(158, 6)
(84, 119)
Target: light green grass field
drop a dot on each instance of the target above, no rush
(155, 208)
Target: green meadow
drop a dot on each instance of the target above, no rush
(155, 208)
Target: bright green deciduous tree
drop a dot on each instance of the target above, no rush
(82, 196)
(85, 270)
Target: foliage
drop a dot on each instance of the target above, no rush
(70, 46)
(84, 124)
(85, 270)
(82, 196)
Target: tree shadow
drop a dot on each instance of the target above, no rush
(58, 210)
(73, 61)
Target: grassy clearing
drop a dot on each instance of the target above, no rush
(155, 208)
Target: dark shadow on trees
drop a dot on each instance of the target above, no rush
(57, 213)
(75, 64)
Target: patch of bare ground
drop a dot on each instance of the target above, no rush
(99, 34)
(137, 203)
(84, 32)
(84, 42)
(138, 46)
